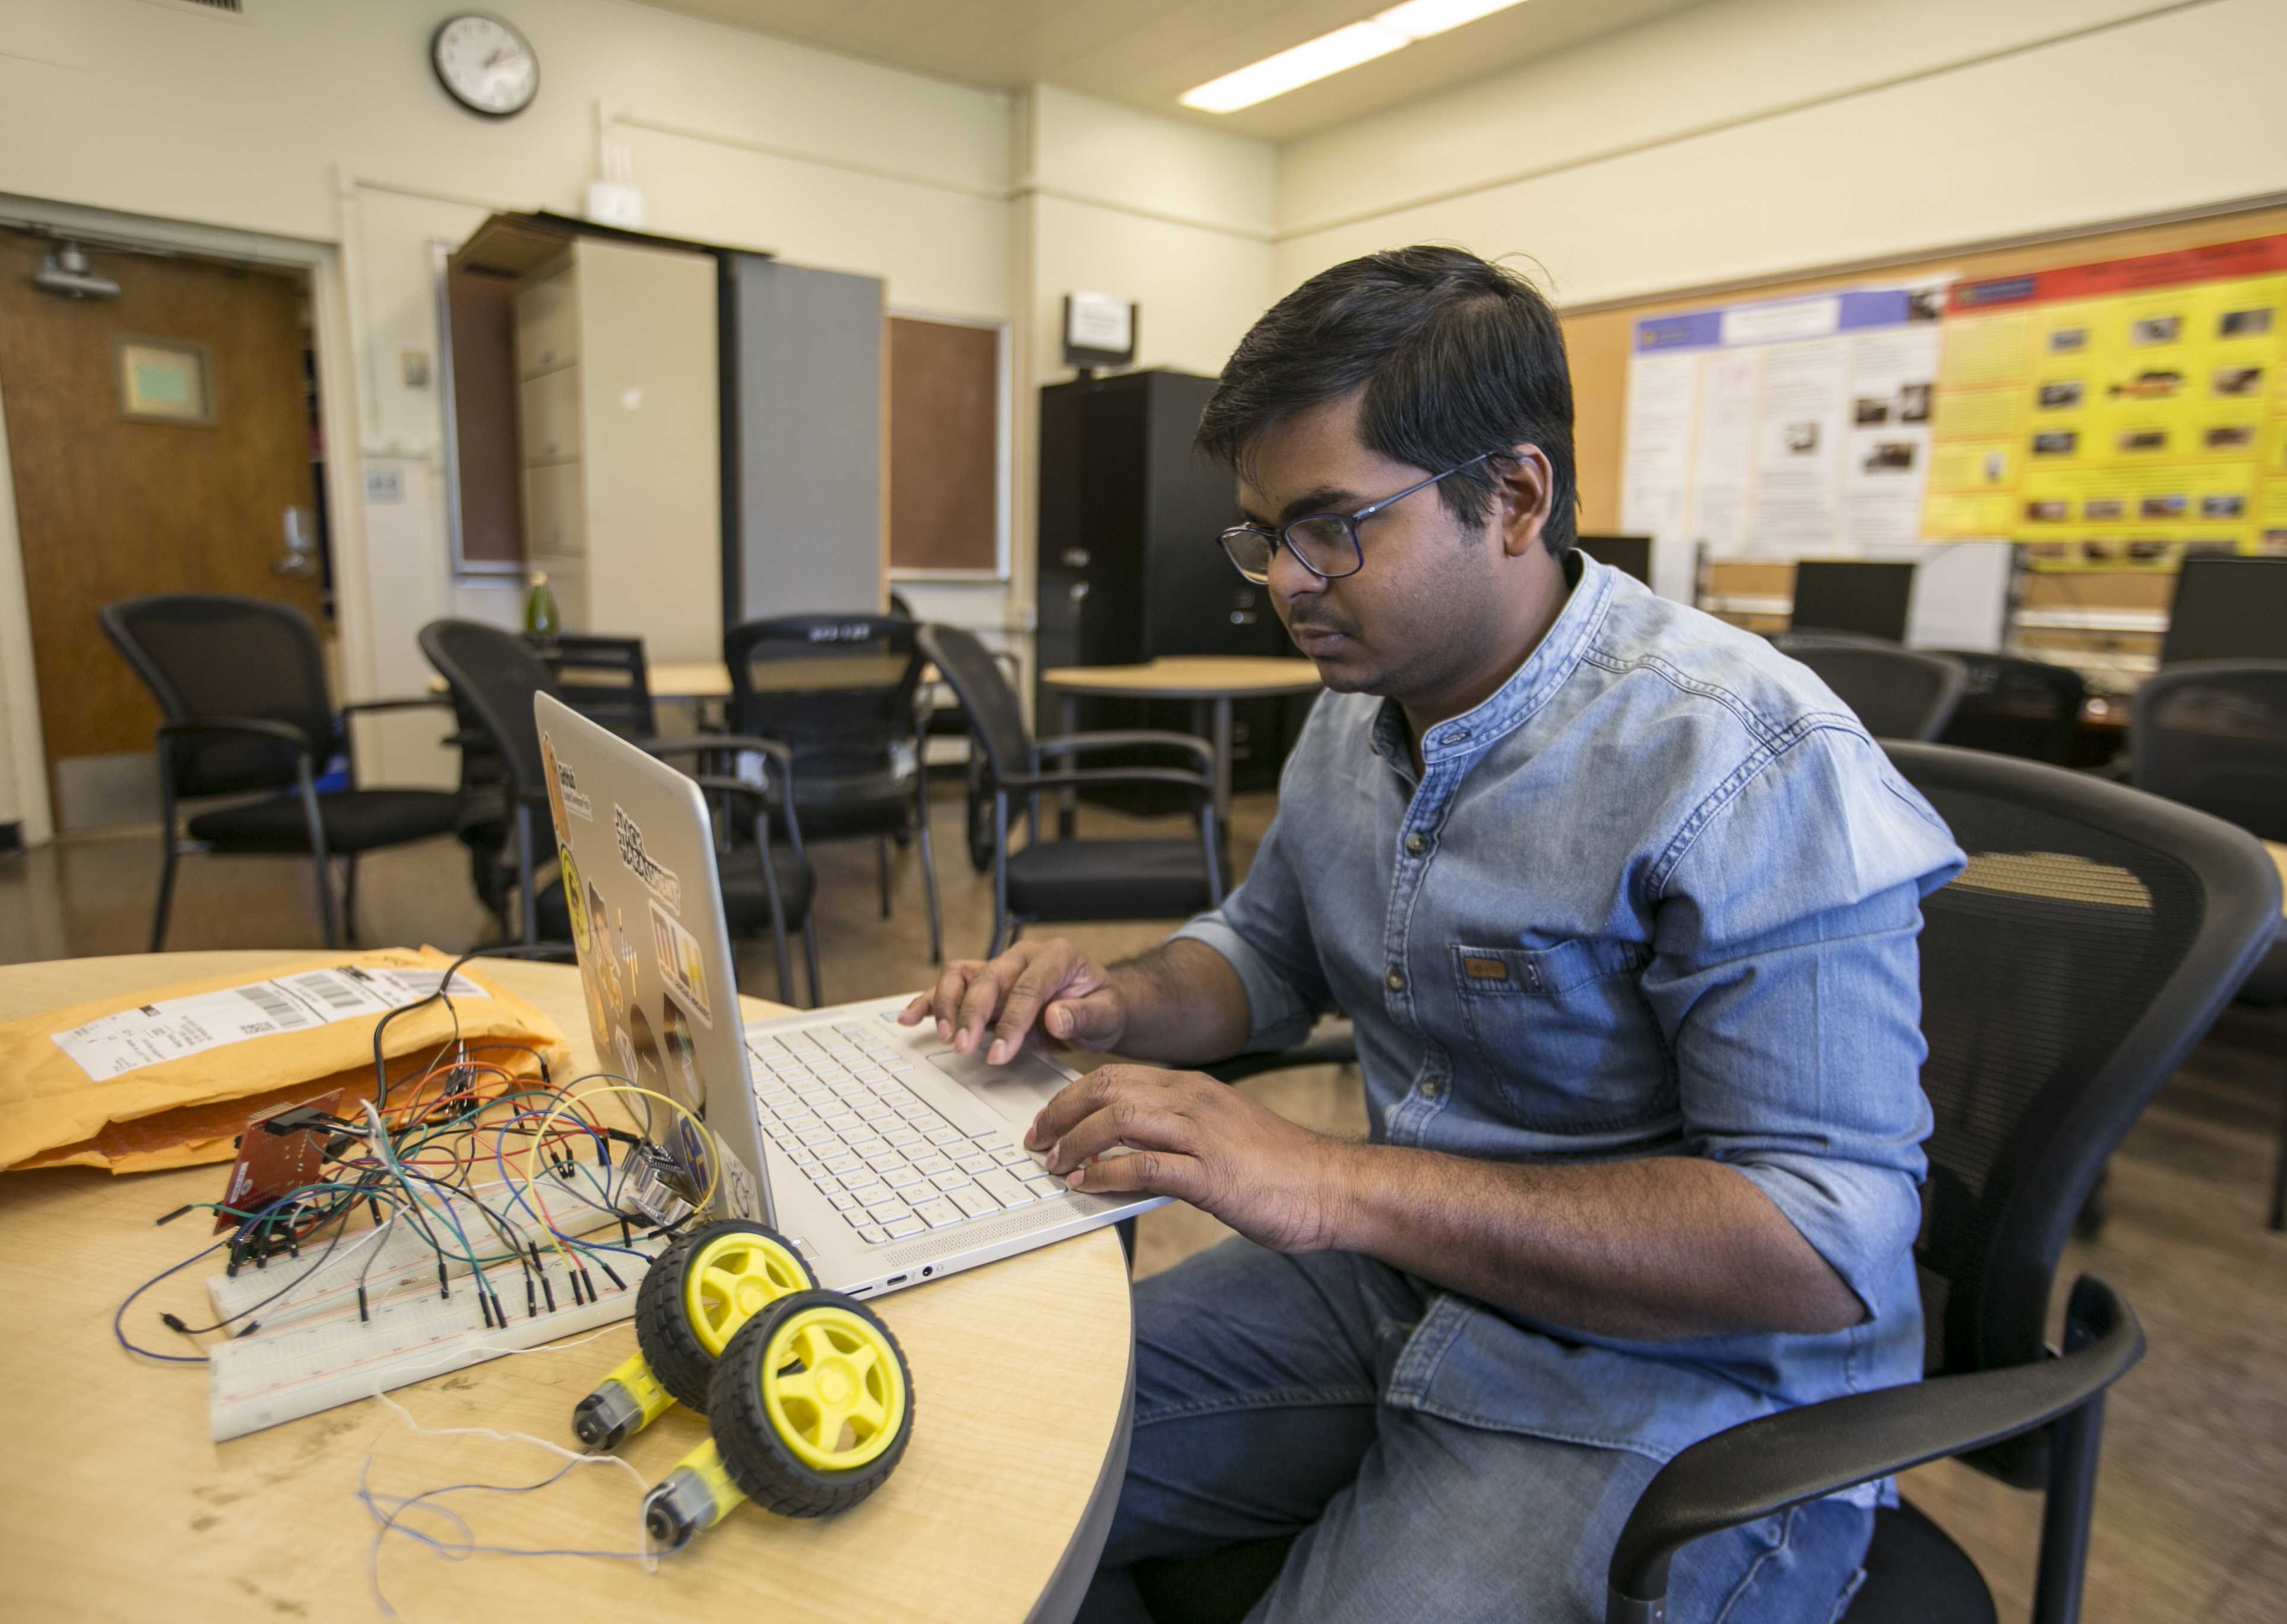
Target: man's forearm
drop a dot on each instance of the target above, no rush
(1654, 1248)
(1186, 1006)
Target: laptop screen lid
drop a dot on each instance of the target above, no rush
(636, 856)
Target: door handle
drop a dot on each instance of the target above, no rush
(300, 558)
(1075, 558)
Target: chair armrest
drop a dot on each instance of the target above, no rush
(1336, 1045)
(258, 727)
(411, 702)
(1024, 784)
(775, 749)
(1128, 739)
(1764, 1466)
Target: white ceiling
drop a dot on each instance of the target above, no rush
(1148, 52)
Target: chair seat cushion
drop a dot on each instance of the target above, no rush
(1108, 880)
(861, 803)
(355, 821)
(1916, 1574)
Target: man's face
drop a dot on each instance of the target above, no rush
(1423, 611)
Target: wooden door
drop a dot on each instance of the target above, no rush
(111, 508)
(945, 456)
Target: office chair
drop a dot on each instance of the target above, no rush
(838, 692)
(2212, 734)
(494, 677)
(242, 682)
(1075, 880)
(2020, 707)
(2066, 973)
(1897, 693)
(606, 679)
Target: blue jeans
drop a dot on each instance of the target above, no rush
(1258, 1412)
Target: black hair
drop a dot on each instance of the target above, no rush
(1458, 357)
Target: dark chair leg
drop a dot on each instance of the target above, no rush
(2279, 1171)
(167, 884)
(778, 907)
(2073, 1443)
(882, 870)
(809, 961)
(524, 874)
(349, 899)
(1000, 873)
(929, 879)
(318, 857)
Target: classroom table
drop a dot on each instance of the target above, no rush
(1214, 679)
(116, 1504)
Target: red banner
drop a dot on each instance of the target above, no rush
(2214, 262)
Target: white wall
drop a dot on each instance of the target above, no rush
(1750, 139)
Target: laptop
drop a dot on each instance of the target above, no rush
(886, 1158)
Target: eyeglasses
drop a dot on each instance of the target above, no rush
(1325, 544)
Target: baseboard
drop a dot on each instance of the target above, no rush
(11, 837)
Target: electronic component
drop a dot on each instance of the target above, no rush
(656, 1187)
(280, 1151)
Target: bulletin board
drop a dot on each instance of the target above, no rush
(2120, 413)
(1601, 341)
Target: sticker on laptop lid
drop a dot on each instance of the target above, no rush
(681, 967)
(657, 877)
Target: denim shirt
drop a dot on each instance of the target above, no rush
(1659, 896)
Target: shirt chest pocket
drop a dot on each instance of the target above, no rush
(1564, 1034)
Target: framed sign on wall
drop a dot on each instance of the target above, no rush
(164, 381)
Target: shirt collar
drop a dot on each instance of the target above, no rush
(1545, 670)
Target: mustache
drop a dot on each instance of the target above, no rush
(1321, 623)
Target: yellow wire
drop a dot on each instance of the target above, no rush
(714, 1167)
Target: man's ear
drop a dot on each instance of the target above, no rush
(1522, 496)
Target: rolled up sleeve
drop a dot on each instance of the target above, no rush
(1786, 978)
(1263, 929)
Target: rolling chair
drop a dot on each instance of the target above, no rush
(2212, 734)
(242, 682)
(1061, 881)
(855, 745)
(2089, 944)
(493, 677)
(2020, 707)
(1896, 692)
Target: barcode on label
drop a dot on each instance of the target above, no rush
(276, 1005)
(330, 986)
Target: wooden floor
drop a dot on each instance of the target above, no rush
(2192, 1506)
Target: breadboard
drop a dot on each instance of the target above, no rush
(331, 1357)
(404, 1257)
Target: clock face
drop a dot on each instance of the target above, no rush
(485, 64)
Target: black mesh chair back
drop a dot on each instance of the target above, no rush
(1898, 693)
(838, 690)
(996, 718)
(2212, 734)
(210, 655)
(605, 678)
(2092, 939)
(2020, 707)
(493, 677)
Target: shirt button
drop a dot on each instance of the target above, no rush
(1395, 980)
(1428, 1088)
(1416, 845)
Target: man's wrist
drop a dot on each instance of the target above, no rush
(1346, 1204)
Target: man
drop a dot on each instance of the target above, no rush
(1623, 905)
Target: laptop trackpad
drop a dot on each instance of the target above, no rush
(1015, 1092)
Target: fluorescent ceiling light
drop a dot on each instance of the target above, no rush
(1330, 54)
(1313, 58)
(1421, 18)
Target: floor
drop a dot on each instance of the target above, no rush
(2192, 1505)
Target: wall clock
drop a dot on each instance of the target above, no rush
(484, 64)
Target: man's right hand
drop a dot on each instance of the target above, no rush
(1051, 984)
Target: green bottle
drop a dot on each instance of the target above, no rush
(540, 617)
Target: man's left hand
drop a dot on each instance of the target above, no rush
(1200, 1141)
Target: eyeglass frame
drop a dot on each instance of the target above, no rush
(1350, 522)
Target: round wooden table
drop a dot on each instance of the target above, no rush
(116, 1504)
(1212, 679)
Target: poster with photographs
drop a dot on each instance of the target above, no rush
(1788, 429)
(2120, 414)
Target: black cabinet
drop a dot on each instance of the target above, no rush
(1129, 569)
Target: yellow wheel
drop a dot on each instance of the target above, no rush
(811, 1405)
(701, 1291)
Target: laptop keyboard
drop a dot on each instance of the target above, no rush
(834, 1098)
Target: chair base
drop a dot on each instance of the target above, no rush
(1916, 1574)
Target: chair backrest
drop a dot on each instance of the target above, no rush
(493, 675)
(836, 690)
(2092, 939)
(211, 655)
(996, 718)
(1898, 693)
(2212, 734)
(2020, 707)
(605, 678)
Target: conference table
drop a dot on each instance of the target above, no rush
(116, 1504)
(1215, 680)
